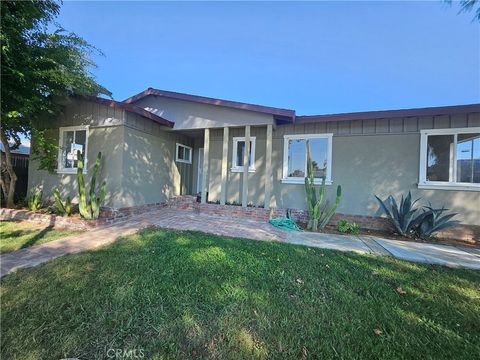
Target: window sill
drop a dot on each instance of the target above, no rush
(301, 181)
(458, 187)
(69, 172)
(184, 161)
(240, 170)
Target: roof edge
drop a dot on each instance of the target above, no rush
(379, 114)
(212, 101)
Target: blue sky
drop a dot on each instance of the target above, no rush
(315, 57)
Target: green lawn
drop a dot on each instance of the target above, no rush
(167, 294)
(19, 234)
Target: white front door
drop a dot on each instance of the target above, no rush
(200, 170)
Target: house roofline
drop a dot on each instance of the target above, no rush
(366, 115)
(277, 112)
(130, 108)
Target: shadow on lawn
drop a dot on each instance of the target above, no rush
(37, 237)
(193, 295)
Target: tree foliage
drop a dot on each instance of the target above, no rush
(467, 6)
(41, 64)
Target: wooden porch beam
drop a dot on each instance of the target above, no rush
(246, 163)
(223, 192)
(268, 168)
(206, 146)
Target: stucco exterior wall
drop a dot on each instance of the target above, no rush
(365, 165)
(108, 140)
(190, 115)
(138, 157)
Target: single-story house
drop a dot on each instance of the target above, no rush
(160, 144)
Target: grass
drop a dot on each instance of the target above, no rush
(15, 235)
(182, 295)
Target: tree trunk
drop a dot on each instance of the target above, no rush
(10, 171)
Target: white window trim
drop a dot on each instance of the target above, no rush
(60, 168)
(442, 185)
(176, 153)
(235, 168)
(301, 180)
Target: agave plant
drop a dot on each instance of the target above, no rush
(89, 208)
(434, 221)
(35, 200)
(64, 209)
(405, 218)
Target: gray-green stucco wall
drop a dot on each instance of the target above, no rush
(364, 165)
(137, 157)
(106, 135)
(150, 172)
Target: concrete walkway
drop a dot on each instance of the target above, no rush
(188, 220)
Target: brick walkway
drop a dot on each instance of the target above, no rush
(257, 230)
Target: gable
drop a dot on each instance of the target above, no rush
(194, 115)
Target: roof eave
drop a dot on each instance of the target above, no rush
(276, 112)
(131, 108)
(366, 115)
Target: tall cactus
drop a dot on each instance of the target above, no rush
(90, 208)
(318, 210)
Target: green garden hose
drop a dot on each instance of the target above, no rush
(285, 224)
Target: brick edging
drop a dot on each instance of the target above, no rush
(466, 233)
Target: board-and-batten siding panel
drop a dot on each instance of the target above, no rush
(381, 126)
(442, 122)
(473, 120)
(80, 112)
(458, 121)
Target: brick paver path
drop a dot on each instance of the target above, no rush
(242, 228)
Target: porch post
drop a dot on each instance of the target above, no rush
(246, 161)
(223, 192)
(268, 168)
(206, 146)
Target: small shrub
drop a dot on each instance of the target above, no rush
(34, 200)
(350, 228)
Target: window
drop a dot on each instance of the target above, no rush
(295, 158)
(184, 153)
(72, 139)
(450, 159)
(239, 152)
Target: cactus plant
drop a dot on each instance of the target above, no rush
(90, 208)
(63, 209)
(319, 213)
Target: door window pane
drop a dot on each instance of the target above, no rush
(439, 157)
(296, 157)
(468, 158)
